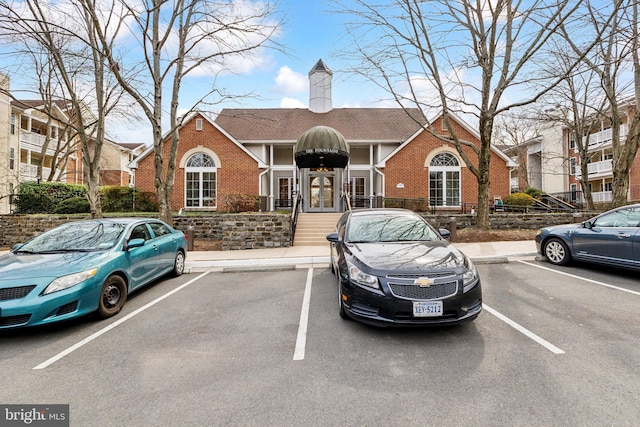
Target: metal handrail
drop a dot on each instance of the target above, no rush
(347, 199)
(294, 213)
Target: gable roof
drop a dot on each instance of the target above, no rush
(61, 106)
(288, 124)
(461, 122)
(150, 149)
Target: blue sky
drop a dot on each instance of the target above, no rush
(310, 33)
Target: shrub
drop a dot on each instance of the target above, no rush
(44, 197)
(519, 199)
(534, 192)
(72, 206)
(418, 205)
(126, 199)
(116, 199)
(146, 201)
(393, 203)
(237, 203)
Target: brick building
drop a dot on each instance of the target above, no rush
(321, 154)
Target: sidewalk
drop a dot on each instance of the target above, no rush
(318, 256)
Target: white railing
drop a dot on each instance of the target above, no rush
(603, 137)
(30, 172)
(597, 168)
(602, 196)
(35, 141)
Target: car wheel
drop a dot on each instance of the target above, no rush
(112, 296)
(178, 265)
(557, 252)
(341, 309)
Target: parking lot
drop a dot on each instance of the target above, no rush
(553, 346)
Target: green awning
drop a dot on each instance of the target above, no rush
(321, 146)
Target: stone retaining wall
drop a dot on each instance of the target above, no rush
(236, 231)
(264, 230)
(507, 220)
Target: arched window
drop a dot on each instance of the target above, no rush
(444, 180)
(200, 181)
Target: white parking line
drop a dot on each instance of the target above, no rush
(523, 330)
(301, 341)
(118, 322)
(595, 282)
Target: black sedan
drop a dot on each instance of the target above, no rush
(394, 269)
(611, 238)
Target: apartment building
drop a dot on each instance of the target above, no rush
(551, 160)
(38, 143)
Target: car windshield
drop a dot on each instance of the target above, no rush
(389, 228)
(82, 236)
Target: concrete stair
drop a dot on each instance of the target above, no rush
(312, 228)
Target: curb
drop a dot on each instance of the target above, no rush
(292, 263)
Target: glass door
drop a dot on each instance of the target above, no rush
(321, 193)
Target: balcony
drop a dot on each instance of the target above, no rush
(602, 196)
(597, 169)
(30, 172)
(34, 142)
(601, 139)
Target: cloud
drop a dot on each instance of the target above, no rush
(291, 103)
(289, 82)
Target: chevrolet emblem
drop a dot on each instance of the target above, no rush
(424, 282)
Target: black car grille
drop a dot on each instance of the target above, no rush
(67, 308)
(417, 292)
(432, 275)
(15, 293)
(14, 320)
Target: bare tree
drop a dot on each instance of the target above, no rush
(479, 58)
(579, 106)
(176, 40)
(513, 130)
(617, 65)
(69, 41)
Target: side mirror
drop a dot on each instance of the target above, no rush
(444, 233)
(333, 237)
(16, 247)
(134, 243)
(587, 224)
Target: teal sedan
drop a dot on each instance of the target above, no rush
(85, 267)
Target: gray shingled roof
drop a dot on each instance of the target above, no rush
(356, 124)
(320, 67)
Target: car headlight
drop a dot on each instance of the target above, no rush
(469, 277)
(66, 282)
(362, 278)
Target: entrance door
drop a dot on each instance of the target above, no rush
(321, 193)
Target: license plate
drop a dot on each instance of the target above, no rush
(427, 308)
